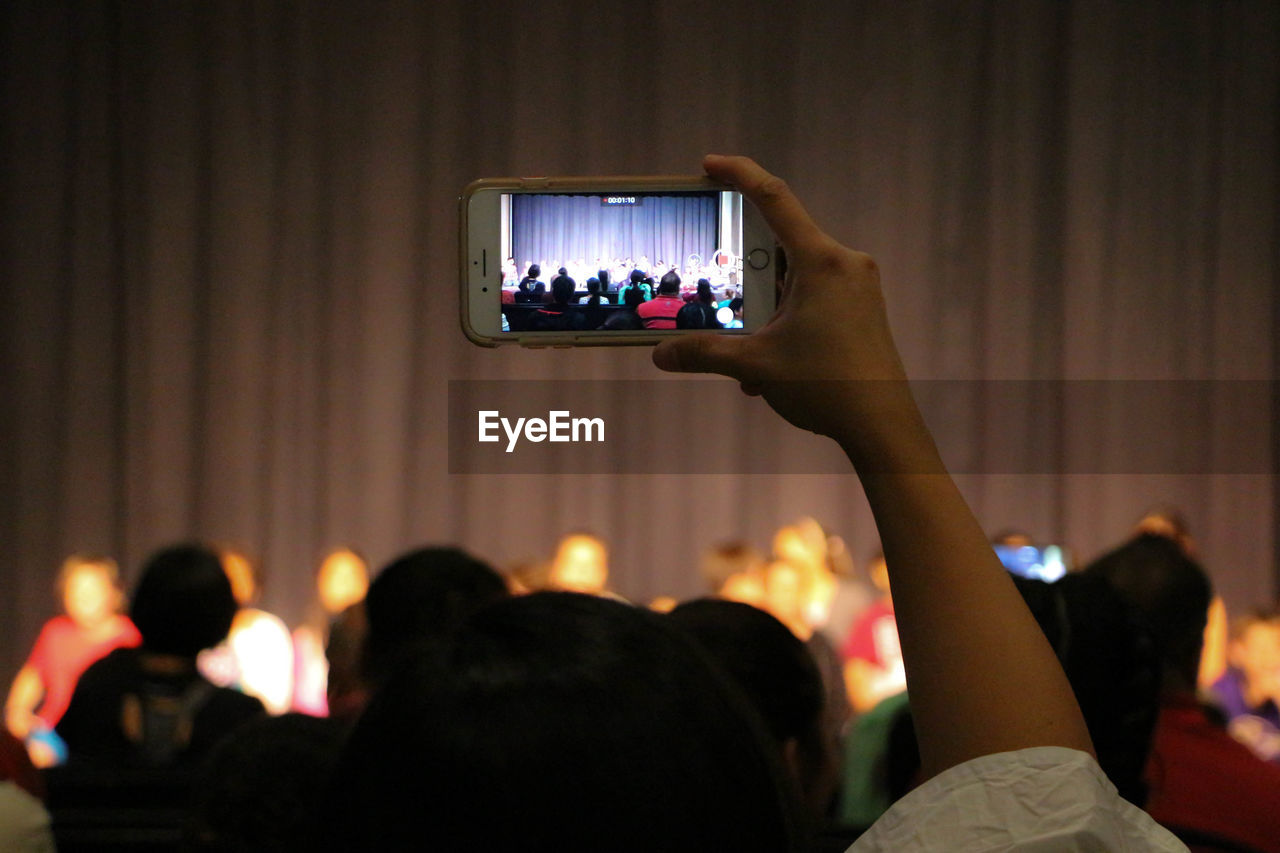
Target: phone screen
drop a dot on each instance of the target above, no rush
(624, 262)
(1046, 564)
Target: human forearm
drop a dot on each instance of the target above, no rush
(982, 676)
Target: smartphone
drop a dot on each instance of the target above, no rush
(621, 260)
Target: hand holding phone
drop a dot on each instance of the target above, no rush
(830, 334)
(599, 261)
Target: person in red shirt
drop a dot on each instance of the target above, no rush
(660, 311)
(1209, 789)
(873, 668)
(91, 628)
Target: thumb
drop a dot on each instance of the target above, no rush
(702, 353)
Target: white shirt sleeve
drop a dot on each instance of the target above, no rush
(1040, 799)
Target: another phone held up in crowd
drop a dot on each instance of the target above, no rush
(623, 260)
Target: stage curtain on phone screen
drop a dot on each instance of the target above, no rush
(229, 269)
(568, 227)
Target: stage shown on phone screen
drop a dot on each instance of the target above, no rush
(645, 260)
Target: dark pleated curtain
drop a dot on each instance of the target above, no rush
(568, 228)
(228, 300)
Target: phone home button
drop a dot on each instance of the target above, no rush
(758, 258)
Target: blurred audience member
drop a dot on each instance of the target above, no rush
(781, 680)
(561, 722)
(873, 668)
(1170, 522)
(735, 571)
(149, 706)
(1249, 692)
(261, 788)
(786, 588)
(852, 595)
(419, 599)
(341, 582)
(787, 599)
(580, 564)
(257, 656)
(89, 589)
(347, 690)
(1204, 785)
(835, 598)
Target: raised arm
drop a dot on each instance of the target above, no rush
(981, 675)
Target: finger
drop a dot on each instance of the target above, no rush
(702, 353)
(785, 214)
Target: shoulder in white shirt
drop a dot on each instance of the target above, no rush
(1040, 799)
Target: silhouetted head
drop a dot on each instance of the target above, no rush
(670, 284)
(1110, 658)
(781, 680)
(562, 289)
(560, 722)
(1171, 591)
(183, 602)
(260, 788)
(420, 598)
(696, 315)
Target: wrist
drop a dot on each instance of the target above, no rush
(883, 432)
